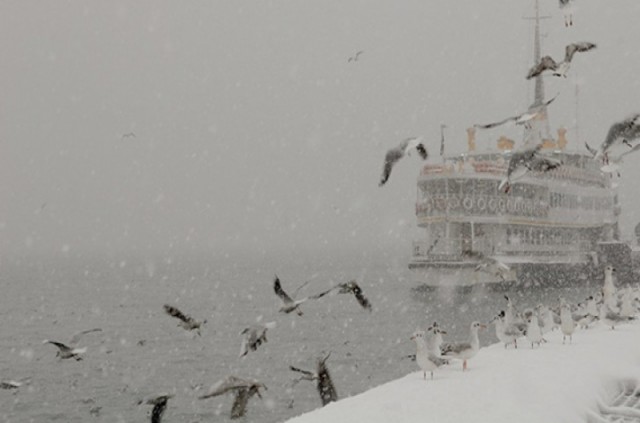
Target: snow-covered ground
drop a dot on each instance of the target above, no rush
(588, 380)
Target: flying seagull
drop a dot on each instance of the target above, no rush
(325, 386)
(352, 287)
(186, 322)
(620, 133)
(244, 389)
(522, 118)
(612, 164)
(159, 403)
(525, 160)
(128, 135)
(492, 266)
(254, 336)
(355, 57)
(70, 351)
(396, 153)
(290, 304)
(560, 69)
(565, 6)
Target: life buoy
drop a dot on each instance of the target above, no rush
(492, 203)
(467, 203)
(482, 204)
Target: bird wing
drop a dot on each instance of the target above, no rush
(225, 385)
(60, 345)
(386, 171)
(546, 63)
(280, 292)
(307, 373)
(76, 337)
(590, 149)
(544, 164)
(454, 349)
(494, 124)
(362, 300)
(424, 154)
(571, 49)
(174, 312)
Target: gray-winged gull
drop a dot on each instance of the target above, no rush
(522, 161)
(352, 287)
(186, 322)
(464, 350)
(520, 119)
(326, 389)
(561, 68)
(620, 133)
(159, 403)
(290, 304)
(427, 359)
(243, 389)
(71, 351)
(396, 153)
(254, 336)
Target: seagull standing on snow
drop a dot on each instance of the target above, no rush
(427, 359)
(560, 69)
(525, 160)
(620, 133)
(522, 118)
(567, 324)
(159, 405)
(291, 305)
(609, 296)
(325, 386)
(187, 322)
(611, 318)
(395, 154)
(465, 350)
(243, 389)
(534, 332)
(254, 336)
(70, 350)
(507, 333)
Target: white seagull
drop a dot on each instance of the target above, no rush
(525, 160)
(290, 304)
(70, 350)
(534, 332)
(243, 389)
(427, 359)
(520, 119)
(567, 324)
(620, 133)
(560, 69)
(326, 389)
(611, 318)
(187, 322)
(396, 153)
(465, 350)
(254, 336)
(507, 333)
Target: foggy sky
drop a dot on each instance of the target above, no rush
(254, 134)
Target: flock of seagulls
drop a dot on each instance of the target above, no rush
(242, 389)
(610, 306)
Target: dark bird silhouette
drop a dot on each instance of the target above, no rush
(620, 133)
(289, 303)
(396, 153)
(355, 57)
(325, 386)
(561, 68)
(186, 322)
(352, 287)
(254, 336)
(128, 135)
(159, 406)
(243, 389)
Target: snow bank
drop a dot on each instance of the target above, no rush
(554, 383)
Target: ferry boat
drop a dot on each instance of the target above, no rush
(552, 227)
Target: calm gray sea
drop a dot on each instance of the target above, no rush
(53, 299)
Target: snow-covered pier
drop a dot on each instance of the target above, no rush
(594, 379)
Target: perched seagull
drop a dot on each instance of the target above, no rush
(524, 161)
(395, 154)
(465, 350)
(565, 6)
(159, 403)
(522, 118)
(426, 358)
(609, 291)
(188, 323)
(254, 336)
(534, 332)
(325, 386)
(546, 318)
(434, 340)
(567, 324)
(493, 267)
(355, 57)
(70, 350)
(620, 133)
(291, 305)
(560, 69)
(352, 287)
(507, 333)
(243, 389)
(611, 318)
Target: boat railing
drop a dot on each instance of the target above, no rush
(481, 204)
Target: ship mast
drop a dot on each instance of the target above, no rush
(539, 128)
